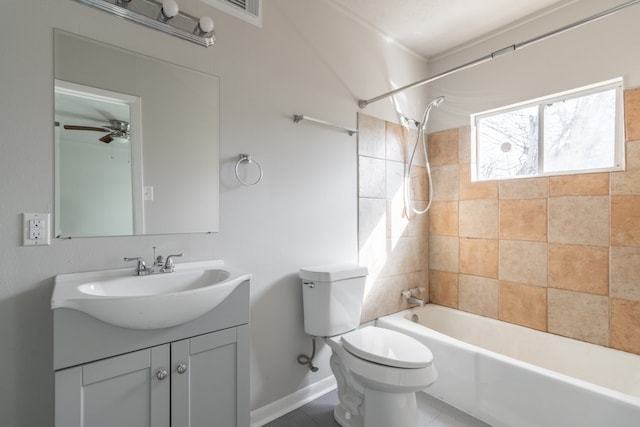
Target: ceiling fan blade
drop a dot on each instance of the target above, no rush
(97, 129)
(106, 139)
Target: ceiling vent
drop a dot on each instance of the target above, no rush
(247, 10)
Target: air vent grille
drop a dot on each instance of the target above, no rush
(250, 6)
(248, 10)
(239, 3)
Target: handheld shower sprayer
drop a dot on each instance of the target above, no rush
(425, 117)
(409, 207)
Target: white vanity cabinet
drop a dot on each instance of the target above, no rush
(191, 375)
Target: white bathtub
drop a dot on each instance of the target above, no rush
(511, 376)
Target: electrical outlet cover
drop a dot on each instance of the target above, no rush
(36, 228)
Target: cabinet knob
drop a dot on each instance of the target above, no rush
(161, 374)
(182, 368)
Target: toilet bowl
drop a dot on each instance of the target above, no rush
(378, 371)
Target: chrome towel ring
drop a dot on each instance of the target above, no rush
(246, 159)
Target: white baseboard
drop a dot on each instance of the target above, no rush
(273, 410)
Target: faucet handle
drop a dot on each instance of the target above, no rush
(142, 266)
(168, 265)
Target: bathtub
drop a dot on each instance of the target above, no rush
(510, 376)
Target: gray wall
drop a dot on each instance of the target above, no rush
(306, 59)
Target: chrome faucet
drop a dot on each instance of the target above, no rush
(159, 265)
(415, 301)
(411, 298)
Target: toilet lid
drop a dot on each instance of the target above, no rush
(387, 347)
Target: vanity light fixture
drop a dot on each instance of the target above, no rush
(164, 16)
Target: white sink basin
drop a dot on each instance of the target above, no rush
(155, 301)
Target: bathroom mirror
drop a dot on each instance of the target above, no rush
(136, 138)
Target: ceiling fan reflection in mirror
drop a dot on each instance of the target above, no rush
(117, 129)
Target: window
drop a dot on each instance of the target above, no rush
(573, 132)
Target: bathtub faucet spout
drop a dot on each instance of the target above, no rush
(411, 299)
(415, 301)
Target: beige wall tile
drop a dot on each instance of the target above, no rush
(443, 288)
(419, 183)
(588, 184)
(372, 234)
(419, 224)
(464, 145)
(398, 225)
(405, 255)
(479, 218)
(443, 147)
(394, 176)
(632, 114)
(625, 183)
(443, 253)
(579, 220)
(445, 183)
(476, 190)
(579, 315)
(628, 181)
(524, 219)
(579, 268)
(632, 155)
(527, 188)
(479, 257)
(371, 136)
(397, 142)
(625, 272)
(371, 178)
(411, 135)
(373, 254)
(478, 295)
(523, 262)
(372, 220)
(523, 304)
(625, 325)
(383, 296)
(625, 220)
(443, 218)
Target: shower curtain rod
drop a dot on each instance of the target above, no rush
(512, 48)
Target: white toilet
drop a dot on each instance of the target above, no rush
(377, 370)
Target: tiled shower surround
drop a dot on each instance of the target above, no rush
(559, 254)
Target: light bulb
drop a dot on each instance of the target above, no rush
(170, 8)
(206, 24)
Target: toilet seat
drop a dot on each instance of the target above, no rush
(381, 377)
(387, 347)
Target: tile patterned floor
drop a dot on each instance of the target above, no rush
(319, 413)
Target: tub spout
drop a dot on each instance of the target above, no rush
(415, 301)
(408, 295)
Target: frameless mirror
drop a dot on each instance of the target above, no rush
(137, 148)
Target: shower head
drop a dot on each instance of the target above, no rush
(434, 103)
(437, 101)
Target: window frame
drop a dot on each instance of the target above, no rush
(541, 102)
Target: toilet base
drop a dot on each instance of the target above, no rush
(345, 419)
(382, 409)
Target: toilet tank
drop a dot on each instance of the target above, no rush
(332, 298)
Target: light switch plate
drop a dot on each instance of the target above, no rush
(36, 229)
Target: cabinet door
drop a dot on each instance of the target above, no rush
(127, 390)
(210, 380)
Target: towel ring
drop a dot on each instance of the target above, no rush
(246, 159)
